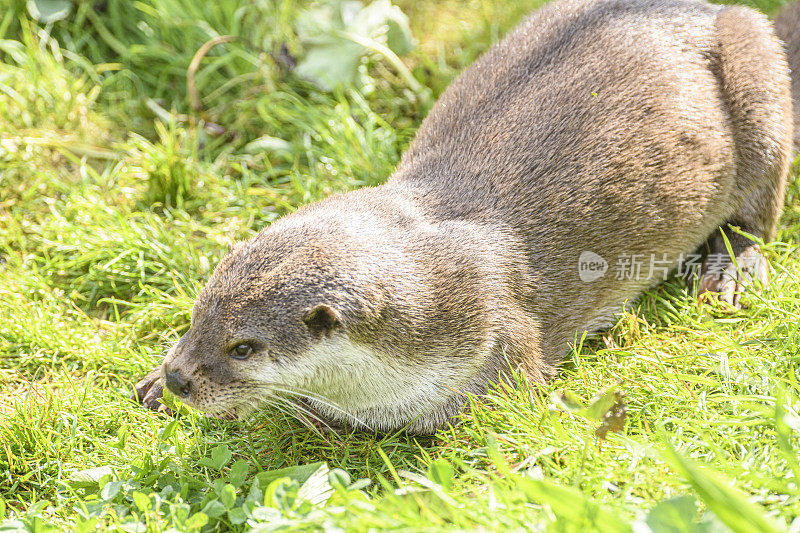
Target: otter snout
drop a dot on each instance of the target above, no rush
(176, 382)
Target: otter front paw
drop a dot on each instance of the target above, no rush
(150, 391)
(721, 276)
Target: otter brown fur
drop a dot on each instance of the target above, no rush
(615, 128)
(787, 26)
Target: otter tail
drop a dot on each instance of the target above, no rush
(787, 26)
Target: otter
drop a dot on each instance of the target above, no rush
(597, 136)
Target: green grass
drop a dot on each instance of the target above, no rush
(117, 199)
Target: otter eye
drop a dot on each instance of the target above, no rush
(242, 351)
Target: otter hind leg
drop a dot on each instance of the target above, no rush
(729, 279)
(753, 75)
(732, 272)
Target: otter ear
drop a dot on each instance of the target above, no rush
(321, 320)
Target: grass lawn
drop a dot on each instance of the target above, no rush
(129, 162)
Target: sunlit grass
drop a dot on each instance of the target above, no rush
(116, 201)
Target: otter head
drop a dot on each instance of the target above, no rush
(317, 315)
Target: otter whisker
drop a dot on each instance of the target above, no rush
(299, 409)
(308, 395)
(287, 407)
(296, 407)
(294, 391)
(274, 402)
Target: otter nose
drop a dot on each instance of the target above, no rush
(178, 384)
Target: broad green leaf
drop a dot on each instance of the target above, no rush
(398, 37)
(238, 473)
(142, 501)
(316, 489)
(237, 516)
(255, 495)
(675, 515)
(385, 23)
(440, 471)
(89, 477)
(85, 526)
(267, 514)
(336, 35)
(337, 476)
(214, 509)
(220, 456)
(332, 63)
(110, 490)
(600, 404)
(227, 496)
(196, 521)
(168, 431)
(272, 489)
(566, 401)
(296, 473)
(180, 512)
